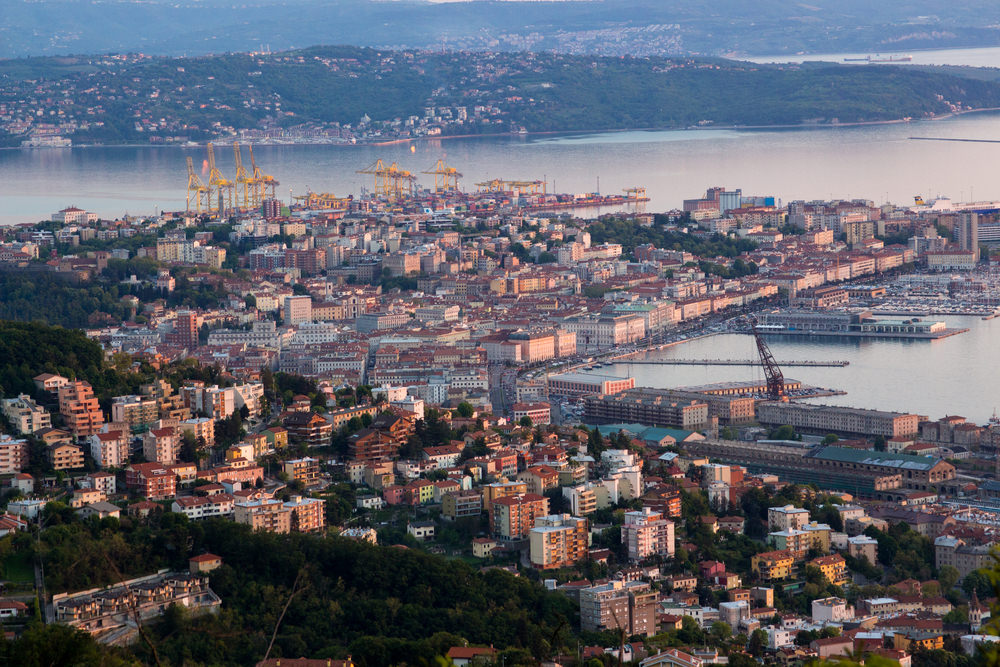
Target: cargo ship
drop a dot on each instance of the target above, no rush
(880, 59)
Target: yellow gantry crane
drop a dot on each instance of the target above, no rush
(197, 191)
(221, 187)
(265, 183)
(324, 200)
(445, 177)
(391, 182)
(638, 194)
(246, 187)
(520, 187)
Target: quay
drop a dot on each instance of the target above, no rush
(732, 362)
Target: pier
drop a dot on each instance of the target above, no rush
(733, 362)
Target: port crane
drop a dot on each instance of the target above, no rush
(246, 186)
(505, 186)
(775, 378)
(221, 187)
(264, 182)
(196, 190)
(324, 200)
(391, 182)
(445, 177)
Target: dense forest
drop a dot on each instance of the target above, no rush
(380, 605)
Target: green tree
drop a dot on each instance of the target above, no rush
(465, 410)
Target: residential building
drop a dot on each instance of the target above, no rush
(308, 428)
(558, 540)
(109, 449)
(308, 514)
(647, 533)
(788, 517)
(305, 470)
(13, 454)
(80, 409)
(266, 514)
(773, 565)
(834, 568)
(458, 504)
(513, 517)
(64, 456)
(965, 558)
(136, 411)
(25, 415)
(151, 480)
(161, 445)
(630, 606)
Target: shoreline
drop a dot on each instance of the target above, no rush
(509, 135)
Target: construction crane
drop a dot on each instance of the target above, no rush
(264, 182)
(775, 378)
(196, 190)
(221, 187)
(445, 177)
(246, 186)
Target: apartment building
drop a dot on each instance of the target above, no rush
(264, 514)
(136, 411)
(151, 480)
(307, 514)
(458, 504)
(788, 517)
(305, 470)
(630, 606)
(110, 449)
(204, 507)
(647, 533)
(25, 415)
(13, 454)
(80, 409)
(558, 540)
(513, 517)
(161, 445)
(772, 565)
(64, 456)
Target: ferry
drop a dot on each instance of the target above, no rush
(881, 59)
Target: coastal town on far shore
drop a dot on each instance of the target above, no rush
(443, 369)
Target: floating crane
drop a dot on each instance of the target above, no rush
(445, 177)
(775, 378)
(246, 186)
(196, 190)
(264, 182)
(221, 187)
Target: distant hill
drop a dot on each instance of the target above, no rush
(609, 27)
(333, 87)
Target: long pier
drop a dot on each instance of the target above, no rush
(731, 362)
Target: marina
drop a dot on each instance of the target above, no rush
(734, 362)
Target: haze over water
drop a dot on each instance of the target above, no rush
(876, 162)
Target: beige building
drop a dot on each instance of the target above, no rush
(558, 540)
(25, 415)
(64, 456)
(618, 604)
(264, 514)
(647, 533)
